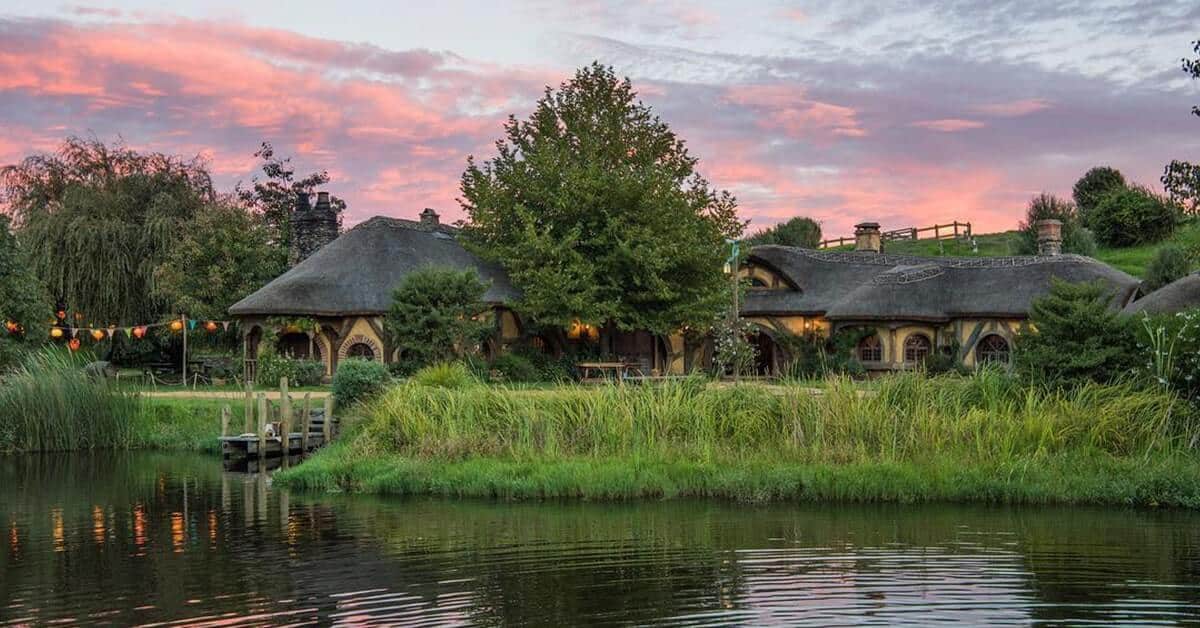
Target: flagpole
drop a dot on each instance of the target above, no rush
(183, 319)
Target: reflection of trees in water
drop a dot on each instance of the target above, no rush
(166, 529)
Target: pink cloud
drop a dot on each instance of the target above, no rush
(1014, 108)
(787, 109)
(948, 125)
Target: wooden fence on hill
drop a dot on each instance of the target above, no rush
(953, 230)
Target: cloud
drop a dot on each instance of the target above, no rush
(949, 125)
(1014, 108)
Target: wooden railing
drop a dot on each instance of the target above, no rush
(955, 230)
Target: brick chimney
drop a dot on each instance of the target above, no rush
(1049, 236)
(429, 218)
(312, 227)
(867, 237)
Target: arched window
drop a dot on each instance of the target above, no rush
(757, 282)
(916, 348)
(992, 348)
(360, 350)
(870, 349)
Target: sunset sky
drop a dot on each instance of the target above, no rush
(902, 112)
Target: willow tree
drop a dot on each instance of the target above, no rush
(594, 207)
(96, 221)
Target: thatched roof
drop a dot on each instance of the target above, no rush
(875, 286)
(1177, 296)
(357, 273)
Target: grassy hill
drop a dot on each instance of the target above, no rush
(1132, 260)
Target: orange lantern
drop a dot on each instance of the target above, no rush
(60, 314)
(73, 344)
(176, 325)
(56, 332)
(139, 331)
(11, 326)
(98, 334)
(210, 326)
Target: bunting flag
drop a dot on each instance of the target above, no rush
(191, 324)
(225, 325)
(135, 332)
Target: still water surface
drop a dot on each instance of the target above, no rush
(152, 539)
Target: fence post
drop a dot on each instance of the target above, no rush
(226, 413)
(327, 427)
(249, 409)
(262, 426)
(305, 421)
(285, 418)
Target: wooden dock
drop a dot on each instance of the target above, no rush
(266, 424)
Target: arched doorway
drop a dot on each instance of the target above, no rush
(298, 346)
(769, 357)
(361, 351)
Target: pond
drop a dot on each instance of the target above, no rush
(156, 539)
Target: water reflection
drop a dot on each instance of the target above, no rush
(155, 539)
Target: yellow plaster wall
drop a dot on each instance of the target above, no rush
(509, 328)
(361, 331)
(965, 328)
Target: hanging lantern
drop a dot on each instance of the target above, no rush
(139, 331)
(210, 326)
(176, 325)
(98, 334)
(11, 326)
(56, 332)
(73, 344)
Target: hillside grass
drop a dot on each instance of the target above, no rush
(1133, 260)
(979, 438)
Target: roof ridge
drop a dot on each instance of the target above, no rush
(889, 259)
(405, 223)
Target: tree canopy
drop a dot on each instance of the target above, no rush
(1181, 178)
(436, 315)
(22, 298)
(800, 231)
(1078, 337)
(1092, 187)
(97, 220)
(1075, 238)
(223, 255)
(594, 207)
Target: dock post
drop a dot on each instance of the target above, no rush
(305, 422)
(249, 408)
(226, 414)
(262, 426)
(285, 418)
(327, 426)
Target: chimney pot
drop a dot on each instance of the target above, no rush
(429, 218)
(322, 198)
(302, 202)
(1049, 236)
(867, 237)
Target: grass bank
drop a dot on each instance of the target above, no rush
(50, 404)
(980, 438)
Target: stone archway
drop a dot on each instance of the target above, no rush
(770, 357)
(361, 347)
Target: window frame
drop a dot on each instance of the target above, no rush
(987, 355)
(910, 351)
(876, 348)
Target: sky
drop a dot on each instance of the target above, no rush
(905, 113)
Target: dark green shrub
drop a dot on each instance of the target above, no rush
(1170, 263)
(445, 375)
(816, 357)
(358, 380)
(272, 367)
(514, 367)
(1133, 215)
(437, 315)
(1093, 186)
(1075, 336)
(800, 231)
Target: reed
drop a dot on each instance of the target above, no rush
(908, 435)
(50, 404)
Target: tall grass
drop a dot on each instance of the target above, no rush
(984, 436)
(50, 404)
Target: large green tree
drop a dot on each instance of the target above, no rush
(224, 254)
(97, 220)
(436, 315)
(1181, 178)
(23, 302)
(595, 208)
(799, 231)
(273, 195)
(1092, 187)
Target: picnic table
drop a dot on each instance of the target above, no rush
(595, 372)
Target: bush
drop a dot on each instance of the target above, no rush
(1075, 238)
(272, 367)
(1170, 263)
(358, 380)
(437, 315)
(1093, 186)
(800, 231)
(815, 357)
(514, 367)
(1075, 337)
(1133, 215)
(445, 375)
(1171, 346)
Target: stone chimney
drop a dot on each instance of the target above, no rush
(1049, 236)
(429, 218)
(867, 237)
(312, 227)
